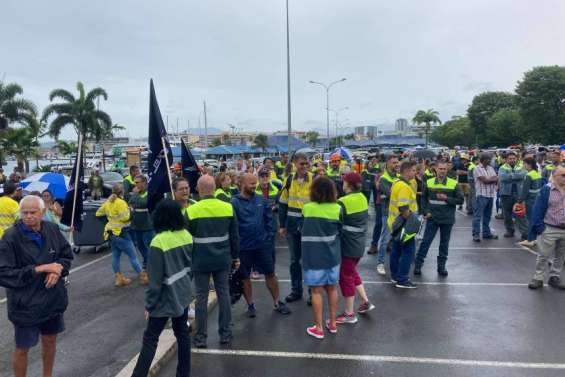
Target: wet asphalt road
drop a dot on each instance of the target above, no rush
(104, 324)
(480, 321)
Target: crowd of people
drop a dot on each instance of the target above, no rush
(228, 230)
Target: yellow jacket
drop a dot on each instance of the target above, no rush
(402, 194)
(9, 211)
(117, 212)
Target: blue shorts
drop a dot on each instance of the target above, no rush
(261, 259)
(28, 337)
(319, 278)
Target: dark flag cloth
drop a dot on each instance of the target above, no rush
(157, 175)
(69, 197)
(190, 169)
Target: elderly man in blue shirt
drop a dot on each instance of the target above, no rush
(256, 233)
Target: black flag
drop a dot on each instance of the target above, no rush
(189, 167)
(69, 198)
(157, 175)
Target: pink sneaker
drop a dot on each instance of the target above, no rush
(331, 329)
(315, 332)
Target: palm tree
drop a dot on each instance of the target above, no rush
(21, 143)
(67, 149)
(261, 141)
(81, 113)
(13, 109)
(427, 119)
(312, 138)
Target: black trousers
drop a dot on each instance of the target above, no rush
(155, 327)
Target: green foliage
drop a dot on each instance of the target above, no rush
(13, 107)
(312, 138)
(20, 143)
(43, 169)
(505, 128)
(541, 100)
(80, 113)
(456, 131)
(261, 141)
(425, 120)
(484, 106)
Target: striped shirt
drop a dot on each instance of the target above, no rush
(484, 189)
(555, 214)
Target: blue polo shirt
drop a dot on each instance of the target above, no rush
(255, 221)
(33, 235)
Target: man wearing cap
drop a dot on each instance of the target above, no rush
(334, 172)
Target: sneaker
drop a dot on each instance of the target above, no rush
(393, 280)
(332, 330)
(476, 239)
(555, 282)
(407, 285)
(381, 269)
(346, 318)
(315, 332)
(535, 284)
(499, 216)
(226, 339)
(293, 297)
(490, 237)
(365, 307)
(442, 272)
(251, 311)
(282, 308)
(527, 243)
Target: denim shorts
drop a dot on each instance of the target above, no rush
(28, 337)
(318, 278)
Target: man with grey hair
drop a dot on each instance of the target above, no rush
(34, 257)
(548, 223)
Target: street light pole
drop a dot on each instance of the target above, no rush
(288, 108)
(327, 87)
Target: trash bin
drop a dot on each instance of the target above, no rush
(92, 232)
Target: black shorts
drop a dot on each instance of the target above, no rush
(27, 337)
(261, 259)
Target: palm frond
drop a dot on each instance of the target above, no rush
(62, 94)
(95, 93)
(59, 123)
(80, 88)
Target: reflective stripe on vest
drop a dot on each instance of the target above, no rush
(202, 240)
(177, 276)
(438, 202)
(353, 229)
(294, 214)
(318, 238)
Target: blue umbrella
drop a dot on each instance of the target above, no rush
(56, 183)
(344, 153)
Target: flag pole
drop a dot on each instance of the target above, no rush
(77, 176)
(165, 151)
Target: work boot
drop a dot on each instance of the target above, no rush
(555, 282)
(441, 267)
(417, 269)
(143, 278)
(121, 280)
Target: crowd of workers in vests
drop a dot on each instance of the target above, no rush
(227, 231)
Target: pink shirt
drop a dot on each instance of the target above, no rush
(555, 214)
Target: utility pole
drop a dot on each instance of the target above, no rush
(288, 106)
(205, 127)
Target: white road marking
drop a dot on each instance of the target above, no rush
(456, 284)
(382, 359)
(73, 270)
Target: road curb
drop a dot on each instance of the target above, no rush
(166, 349)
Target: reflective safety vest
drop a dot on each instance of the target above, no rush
(402, 194)
(433, 185)
(320, 241)
(536, 183)
(222, 195)
(212, 225)
(9, 211)
(293, 197)
(355, 217)
(273, 191)
(428, 174)
(118, 216)
(470, 169)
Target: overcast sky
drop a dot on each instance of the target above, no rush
(398, 56)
